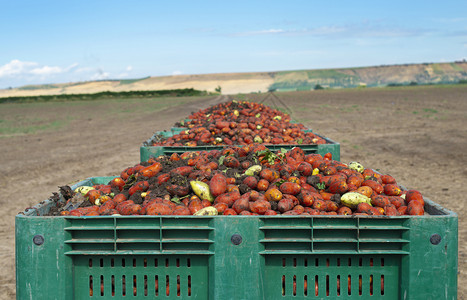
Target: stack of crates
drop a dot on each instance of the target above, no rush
(235, 257)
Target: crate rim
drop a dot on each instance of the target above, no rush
(328, 142)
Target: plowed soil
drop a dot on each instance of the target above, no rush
(416, 134)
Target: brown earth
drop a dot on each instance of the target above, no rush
(416, 134)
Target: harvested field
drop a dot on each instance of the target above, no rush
(416, 134)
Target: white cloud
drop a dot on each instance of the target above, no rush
(126, 73)
(16, 67)
(100, 75)
(450, 20)
(46, 70)
(72, 66)
(19, 73)
(352, 30)
(84, 70)
(260, 32)
(177, 73)
(268, 31)
(276, 53)
(325, 30)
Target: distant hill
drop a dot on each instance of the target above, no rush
(234, 83)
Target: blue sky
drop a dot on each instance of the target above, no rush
(69, 41)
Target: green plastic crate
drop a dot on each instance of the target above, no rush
(183, 123)
(147, 152)
(236, 257)
(178, 130)
(157, 135)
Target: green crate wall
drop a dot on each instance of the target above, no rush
(331, 146)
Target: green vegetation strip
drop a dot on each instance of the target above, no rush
(106, 95)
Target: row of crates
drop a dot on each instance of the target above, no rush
(235, 257)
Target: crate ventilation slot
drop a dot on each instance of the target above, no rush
(129, 287)
(345, 236)
(332, 276)
(139, 236)
(104, 277)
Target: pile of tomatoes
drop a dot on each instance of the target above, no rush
(249, 180)
(240, 123)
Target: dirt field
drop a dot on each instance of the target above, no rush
(416, 134)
